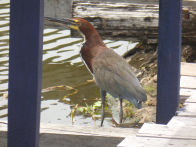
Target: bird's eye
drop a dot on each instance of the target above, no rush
(77, 21)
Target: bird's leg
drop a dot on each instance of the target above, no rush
(103, 94)
(121, 111)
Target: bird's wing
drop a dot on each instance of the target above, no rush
(113, 74)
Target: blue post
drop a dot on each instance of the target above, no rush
(169, 52)
(25, 70)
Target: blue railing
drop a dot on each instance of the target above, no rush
(25, 71)
(26, 27)
(169, 53)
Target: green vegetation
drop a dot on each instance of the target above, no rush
(88, 110)
(150, 89)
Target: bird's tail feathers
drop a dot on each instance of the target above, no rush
(142, 97)
(137, 104)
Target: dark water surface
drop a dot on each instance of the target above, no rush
(62, 65)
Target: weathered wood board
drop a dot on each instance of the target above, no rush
(192, 98)
(182, 121)
(80, 130)
(189, 110)
(56, 135)
(88, 131)
(133, 141)
(186, 92)
(188, 69)
(165, 131)
(188, 82)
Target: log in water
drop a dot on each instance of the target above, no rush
(133, 21)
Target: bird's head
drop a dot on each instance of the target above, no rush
(79, 24)
(82, 25)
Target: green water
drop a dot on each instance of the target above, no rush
(62, 65)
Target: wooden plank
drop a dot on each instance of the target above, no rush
(164, 131)
(187, 95)
(182, 121)
(80, 130)
(88, 131)
(55, 135)
(192, 98)
(62, 140)
(189, 110)
(188, 82)
(133, 141)
(25, 72)
(188, 69)
(186, 92)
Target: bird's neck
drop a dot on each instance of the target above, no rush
(92, 47)
(93, 39)
(93, 44)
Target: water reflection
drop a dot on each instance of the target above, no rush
(61, 66)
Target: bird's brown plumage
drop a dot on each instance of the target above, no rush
(93, 44)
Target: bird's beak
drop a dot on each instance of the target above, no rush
(63, 22)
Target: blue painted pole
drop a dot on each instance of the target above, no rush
(25, 70)
(169, 52)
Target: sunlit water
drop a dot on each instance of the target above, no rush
(62, 65)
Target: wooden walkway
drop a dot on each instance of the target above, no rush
(181, 130)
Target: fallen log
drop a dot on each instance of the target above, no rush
(131, 21)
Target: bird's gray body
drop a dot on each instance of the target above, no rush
(114, 75)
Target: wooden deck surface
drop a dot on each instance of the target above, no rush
(181, 130)
(59, 135)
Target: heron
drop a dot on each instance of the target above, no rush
(111, 72)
